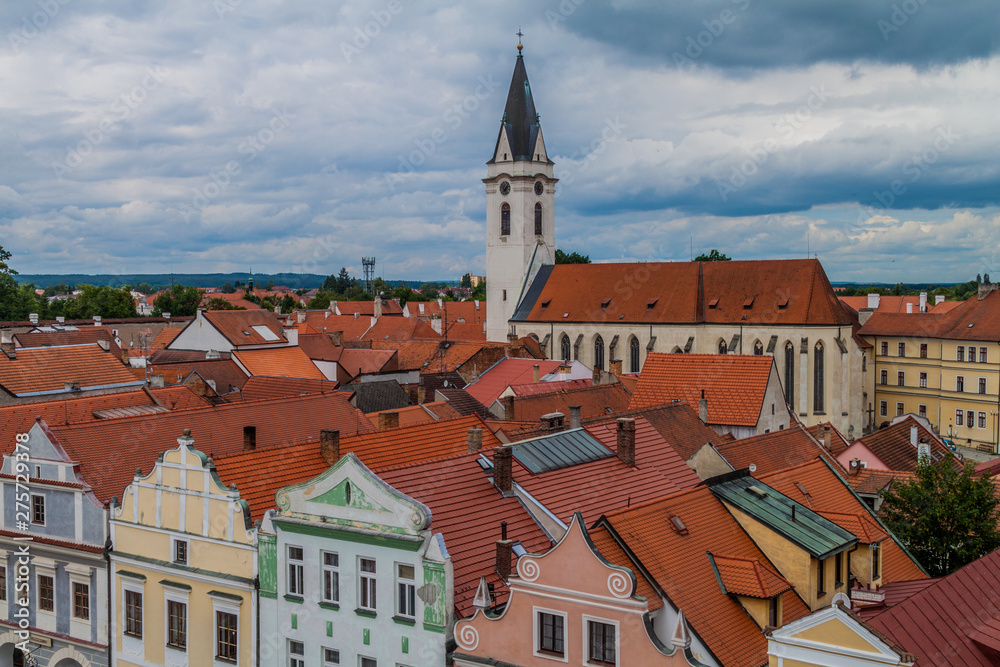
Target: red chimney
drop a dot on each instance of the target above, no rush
(329, 445)
(503, 475)
(505, 549)
(626, 440)
(249, 438)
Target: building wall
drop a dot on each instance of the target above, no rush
(200, 335)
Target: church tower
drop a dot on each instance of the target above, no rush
(520, 193)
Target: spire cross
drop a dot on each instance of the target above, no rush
(519, 36)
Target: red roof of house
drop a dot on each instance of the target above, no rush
(505, 373)
(734, 385)
(680, 566)
(838, 443)
(466, 331)
(238, 326)
(289, 362)
(367, 308)
(425, 413)
(319, 346)
(110, 450)
(224, 372)
(163, 338)
(869, 481)
(356, 361)
(549, 387)
(262, 387)
(886, 304)
(594, 401)
(892, 444)
(771, 452)
(399, 328)
(48, 369)
(79, 336)
(750, 578)
(469, 311)
(259, 474)
(326, 322)
(793, 291)
(613, 553)
(973, 319)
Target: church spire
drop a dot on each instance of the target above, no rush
(520, 122)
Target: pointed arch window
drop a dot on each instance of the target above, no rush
(538, 219)
(723, 348)
(633, 354)
(758, 348)
(599, 353)
(790, 374)
(505, 219)
(564, 348)
(818, 376)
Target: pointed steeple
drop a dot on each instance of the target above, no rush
(520, 120)
(483, 600)
(682, 634)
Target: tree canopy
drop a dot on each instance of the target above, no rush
(713, 256)
(571, 258)
(945, 515)
(179, 301)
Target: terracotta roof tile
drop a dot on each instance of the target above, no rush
(359, 361)
(613, 553)
(367, 308)
(261, 387)
(163, 337)
(594, 401)
(892, 445)
(749, 578)
(771, 452)
(973, 319)
(400, 328)
(238, 326)
(319, 346)
(734, 385)
(549, 387)
(48, 369)
(326, 322)
(838, 443)
(79, 336)
(680, 426)
(414, 415)
(224, 372)
(469, 311)
(505, 373)
(278, 362)
(466, 332)
(464, 404)
(871, 481)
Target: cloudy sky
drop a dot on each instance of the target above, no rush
(212, 135)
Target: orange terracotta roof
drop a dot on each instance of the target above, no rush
(680, 567)
(679, 425)
(594, 401)
(224, 372)
(367, 308)
(110, 450)
(869, 481)
(892, 444)
(262, 387)
(414, 415)
(505, 373)
(466, 331)
(886, 304)
(352, 328)
(456, 310)
(771, 452)
(79, 336)
(861, 525)
(614, 554)
(238, 326)
(358, 361)
(436, 356)
(399, 328)
(278, 362)
(749, 578)
(163, 338)
(838, 443)
(734, 385)
(973, 319)
(549, 387)
(48, 369)
(794, 291)
(319, 346)
(259, 474)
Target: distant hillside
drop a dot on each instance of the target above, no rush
(162, 280)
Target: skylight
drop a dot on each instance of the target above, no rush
(265, 333)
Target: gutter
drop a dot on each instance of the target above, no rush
(52, 392)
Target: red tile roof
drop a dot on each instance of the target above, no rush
(238, 326)
(892, 444)
(870, 481)
(594, 401)
(613, 553)
(289, 362)
(163, 338)
(224, 372)
(399, 328)
(357, 361)
(771, 452)
(79, 336)
(109, 450)
(777, 291)
(549, 387)
(973, 319)
(319, 346)
(466, 331)
(680, 426)
(414, 415)
(367, 308)
(456, 310)
(262, 387)
(749, 578)
(886, 304)
(838, 443)
(505, 373)
(48, 369)
(734, 385)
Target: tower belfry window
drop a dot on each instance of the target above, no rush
(538, 219)
(505, 220)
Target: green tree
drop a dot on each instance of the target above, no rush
(986, 278)
(105, 301)
(61, 288)
(288, 303)
(479, 291)
(270, 285)
(571, 258)
(145, 288)
(218, 303)
(713, 256)
(179, 301)
(945, 515)
(429, 290)
(320, 301)
(466, 280)
(344, 281)
(227, 288)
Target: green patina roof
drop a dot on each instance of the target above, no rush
(819, 536)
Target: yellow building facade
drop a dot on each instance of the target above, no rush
(183, 567)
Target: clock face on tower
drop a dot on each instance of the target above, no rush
(505, 188)
(539, 188)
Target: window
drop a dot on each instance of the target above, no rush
(885, 348)
(900, 378)
(331, 577)
(133, 613)
(602, 642)
(876, 560)
(38, 510)
(818, 386)
(982, 420)
(923, 380)
(972, 353)
(970, 418)
(633, 354)
(923, 350)
(367, 581)
(838, 569)
(225, 636)
(296, 568)
(959, 383)
(46, 593)
(331, 657)
(551, 633)
(3, 583)
(982, 385)
(883, 376)
(723, 348)
(176, 624)
(368, 662)
(790, 374)
(883, 408)
(81, 601)
(296, 654)
(959, 414)
(820, 577)
(505, 295)
(899, 409)
(960, 353)
(901, 349)
(758, 348)
(982, 355)
(538, 219)
(181, 552)
(599, 353)
(772, 612)
(406, 591)
(922, 410)
(564, 348)
(505, 220)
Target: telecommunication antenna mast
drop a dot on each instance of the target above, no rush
(369, 269)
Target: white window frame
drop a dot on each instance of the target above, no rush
(922, 380)
(901, 349)
(921, 410)
(900, 378)
(536, 639)
(300, 564)
(900, 408)
(173, 550)
(324, 661)
(960, 388)
(960, 353)
(327, 570)
(6, 594)
(883, 408)
(586, 640)
(45, 567)
(982, 386)
(171, 594)
(79, 574)
(959, 417)
(884, 348)
(981, 419)
(299, 658)
(883, 377)
(225, 607)
(984, 355)
(130, 643)
(363, 579)
(412, 586)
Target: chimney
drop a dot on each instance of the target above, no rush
(7, 345)
(855, 467)
(508, 407)
(105, 345)
(33, 318)
(505, 549)
(440, 303)
(827, 437)
(377, 309)
(536, 373)
(388, 420)
(873, 300)
(300, 316)
(913, 436)
(703, 408)
(626, 440)
(503, 474)
(337, 337)
(475, 439)
(421, 392)
(574, 416)
(986, 288)
(477, 303)
(923, 450)
(156, 381)
(329, 445)
(938, 298)
(615, 367)
(60, 319)
(212, 354)
(553, 421)
(72, 385)
(249, 438)
(597, 376)
(97, 320)
(909, 309)
(923, 302)
(565, 370)
(863, 315)
(166, 315)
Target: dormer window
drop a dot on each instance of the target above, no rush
(606, 303)
(713, 303)
(678, 525)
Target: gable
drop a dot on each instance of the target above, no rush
(838, 633)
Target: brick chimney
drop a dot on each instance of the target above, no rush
(503, 474)
(72, 385)
(615, 367)
(421, 392)
(986, 288)
(703, 408)
(249, 438)
(536, 374)
(574, 416)
(7, 345)
(855, 467)
(388, 420)
(565, 370)
(626, 440)
(300, 317)
(156, 380)
(827, 437)
(329, 445)
(505, 549)
(508, 407)
(337, 337)
(554, 421)
(475, 439)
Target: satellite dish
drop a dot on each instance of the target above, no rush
(841, 597)
(753, 468)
